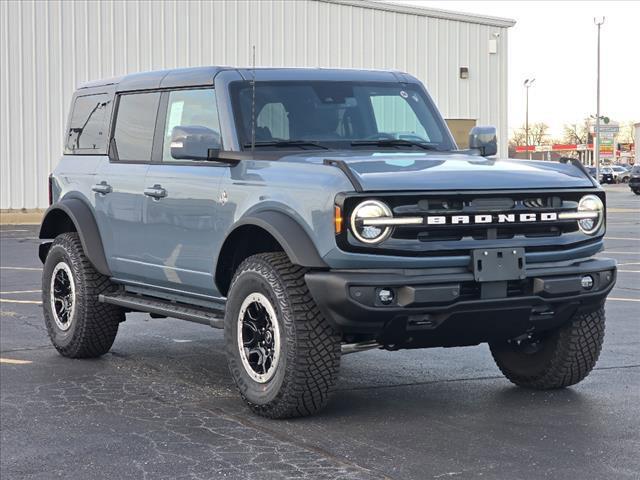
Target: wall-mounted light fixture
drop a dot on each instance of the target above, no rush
(464, 72)
(493, 43)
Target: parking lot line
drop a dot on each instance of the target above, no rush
(622, 238)
(14, 361)
(629, 271)
(39, 291)
(33, 302)
(622, 253)
(619, 299)
(37, 269)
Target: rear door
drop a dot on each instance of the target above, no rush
(120, 181)
(182, 209)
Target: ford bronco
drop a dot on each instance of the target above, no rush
(312, 213)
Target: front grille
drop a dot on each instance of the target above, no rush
(447, 238)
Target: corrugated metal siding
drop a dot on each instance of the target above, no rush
(48, 48)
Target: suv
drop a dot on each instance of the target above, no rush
(621, 174)
(634, 180)
(313, 213)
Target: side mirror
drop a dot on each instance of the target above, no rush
(484, 139)
(193, 142)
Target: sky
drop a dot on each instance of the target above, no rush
(555, 42)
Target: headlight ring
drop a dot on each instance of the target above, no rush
(590, 204)
(368, 210)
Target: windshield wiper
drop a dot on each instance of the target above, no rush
(287, 143)
(393, 142)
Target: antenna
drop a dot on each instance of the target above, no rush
(253, 103)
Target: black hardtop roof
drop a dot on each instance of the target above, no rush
(196, 76)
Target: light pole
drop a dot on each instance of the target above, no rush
(596, 144)
(527, 83)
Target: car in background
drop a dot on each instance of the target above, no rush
(634, 180)
(607, 175)
(621, 174)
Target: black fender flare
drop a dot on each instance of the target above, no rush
(85, 224)
(290, 235)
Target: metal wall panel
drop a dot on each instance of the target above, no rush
(48, 48)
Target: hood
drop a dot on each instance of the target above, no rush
(452, 171)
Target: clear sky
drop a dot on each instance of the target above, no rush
(555, 42)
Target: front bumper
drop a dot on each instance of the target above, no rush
(447, 307)
(634, 182)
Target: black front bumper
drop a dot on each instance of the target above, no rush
(447, 307)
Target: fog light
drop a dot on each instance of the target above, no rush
(386, 296)
(587, 282)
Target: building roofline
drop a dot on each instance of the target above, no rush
(427, 12)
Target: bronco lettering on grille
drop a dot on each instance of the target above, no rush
(492, 218)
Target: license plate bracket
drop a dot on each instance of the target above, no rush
(498, 264)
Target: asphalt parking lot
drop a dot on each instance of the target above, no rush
(161, 404)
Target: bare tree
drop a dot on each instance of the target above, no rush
(576, 133)
(625, 135)
(537, 132)
(517, 138)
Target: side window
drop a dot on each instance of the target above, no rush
(135, 125)
(88, 125)
(194, 109)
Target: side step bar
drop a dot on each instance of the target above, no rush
(139, 303)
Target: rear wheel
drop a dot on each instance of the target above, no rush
(283, 354)
(79, 326)
(555, 359)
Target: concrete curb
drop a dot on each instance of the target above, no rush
(29, 217)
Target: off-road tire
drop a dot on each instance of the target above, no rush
(93, 325)
(636, 191)
(565, 357)
(309, 361)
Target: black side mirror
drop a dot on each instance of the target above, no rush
(193, 142)
(484, 139)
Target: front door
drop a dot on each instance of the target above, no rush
(183, 199)
(119, 185)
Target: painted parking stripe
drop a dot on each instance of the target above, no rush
(622, 238)
(14, 361)
(622, 253)
(37, 269)
(38, 291)
(629, 271)
(32, 302)
(619, 299)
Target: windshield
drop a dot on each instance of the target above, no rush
(338, 115)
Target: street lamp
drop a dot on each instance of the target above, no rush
(598, 21)
(527, 83)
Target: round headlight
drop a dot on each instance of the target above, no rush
(363, 221)
(590, 205)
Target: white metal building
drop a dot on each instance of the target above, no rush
(47, 48)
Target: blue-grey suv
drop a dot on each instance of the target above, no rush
(312, 213)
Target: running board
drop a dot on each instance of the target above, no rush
(206, 316)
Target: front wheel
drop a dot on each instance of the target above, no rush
(78, 324)
(554, 359)
(283, 354)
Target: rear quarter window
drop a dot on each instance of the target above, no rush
(88, 131)
(135, 126)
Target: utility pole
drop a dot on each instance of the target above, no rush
(596, 143)
(527, 83)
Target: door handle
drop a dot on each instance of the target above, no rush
(102, 188)
(156, 192)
